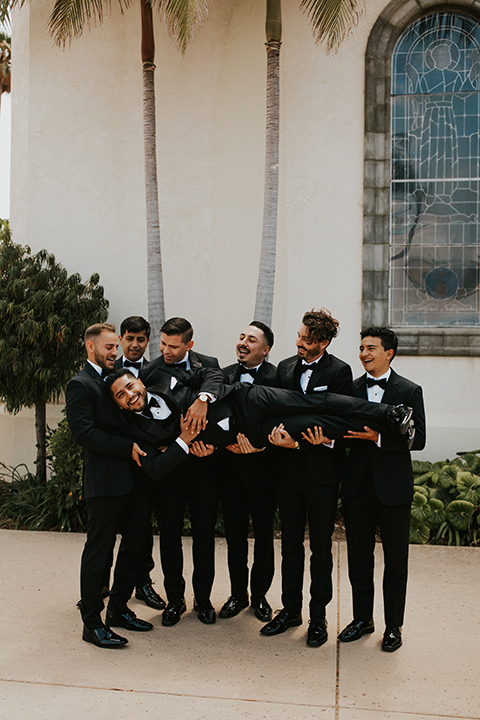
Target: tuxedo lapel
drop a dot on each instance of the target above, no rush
(361, 387)
(318, 372)
(260, 376)
(392, 389)
(194, 361)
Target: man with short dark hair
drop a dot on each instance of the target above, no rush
(197, 488)
(309, 483)
(114, 490)
(248, 488)
(134, 338)
(377, 490)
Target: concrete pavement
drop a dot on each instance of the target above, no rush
(229, 671)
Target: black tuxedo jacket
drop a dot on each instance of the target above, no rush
(100, 427)
(156, 370)
(265, 375)
(324, 464)
(390, 465)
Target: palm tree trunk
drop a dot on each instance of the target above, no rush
(41, 432)
(156, 301)
(266, 273)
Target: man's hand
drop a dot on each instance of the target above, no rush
(196, 417)
(315, 437)
(199, 449)
(243, 446)
(137, 453)
(367, 434)
(280, 437)
(186, 433)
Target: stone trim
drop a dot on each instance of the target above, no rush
(385, 33)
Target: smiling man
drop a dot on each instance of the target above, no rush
(248, 488)
(309, 482)
(197, 489)
(114, 489)
(377, 489)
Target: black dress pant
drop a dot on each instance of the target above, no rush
(301, 499)
(362, 514)
(128, 514)
(249, 490)
(193, 486)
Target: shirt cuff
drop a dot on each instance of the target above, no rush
(379, 441)
(182, 444)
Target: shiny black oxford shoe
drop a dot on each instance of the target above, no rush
(173, 612)
(150, 597)
(127, 620)
(262, 609)
(206, 612)
(317, 633)
(232, 607)
(280, 623)
(392, 639)
(103, 637)
(356, 629)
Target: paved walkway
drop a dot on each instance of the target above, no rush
(229, 671)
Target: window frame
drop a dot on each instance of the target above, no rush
(438, 341)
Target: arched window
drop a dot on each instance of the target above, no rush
(422, 180)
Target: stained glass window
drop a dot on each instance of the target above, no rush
(434, 223)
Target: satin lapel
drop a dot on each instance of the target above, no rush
(361, 388)
(316, 377)
(260, 376)
(293, 380)
(153, 430)
(391, 390)
(194, 361)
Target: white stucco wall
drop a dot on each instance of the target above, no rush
(77, 181)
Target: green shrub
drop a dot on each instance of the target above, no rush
(446, 501)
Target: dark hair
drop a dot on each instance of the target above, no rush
(387, 336)
(136, 324)
(97, 329)
(321, 325)
(115, 374)
(178, 326)
(267, 332)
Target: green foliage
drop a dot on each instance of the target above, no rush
(44, 312)
(446, 501)
(58, 505)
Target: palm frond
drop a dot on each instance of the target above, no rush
(69, 17)
(332, 20)
(182, 17)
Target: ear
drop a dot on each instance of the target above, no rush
(390, 354)
(190, 345)
(266, 350)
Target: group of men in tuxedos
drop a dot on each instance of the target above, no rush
(148, 444)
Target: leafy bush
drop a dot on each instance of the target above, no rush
(446, 501)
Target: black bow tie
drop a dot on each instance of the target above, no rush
(309, 366)
(129, 363)
(181, 365)
(153, 402)
(373, 381)
(248, 371)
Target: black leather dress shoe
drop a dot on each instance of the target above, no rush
(356, 629)
(392, 639)
(206, 612)
(150, 597)
(280, 623)
(317, 632)
(103, 637)
(263, 611)
(400, 417)
(127, 620)
(173, 612)
(232, 607)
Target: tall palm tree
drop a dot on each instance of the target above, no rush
(68, 20)
(331, 21)
(5, 65)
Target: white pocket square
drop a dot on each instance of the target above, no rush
(320, 388)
